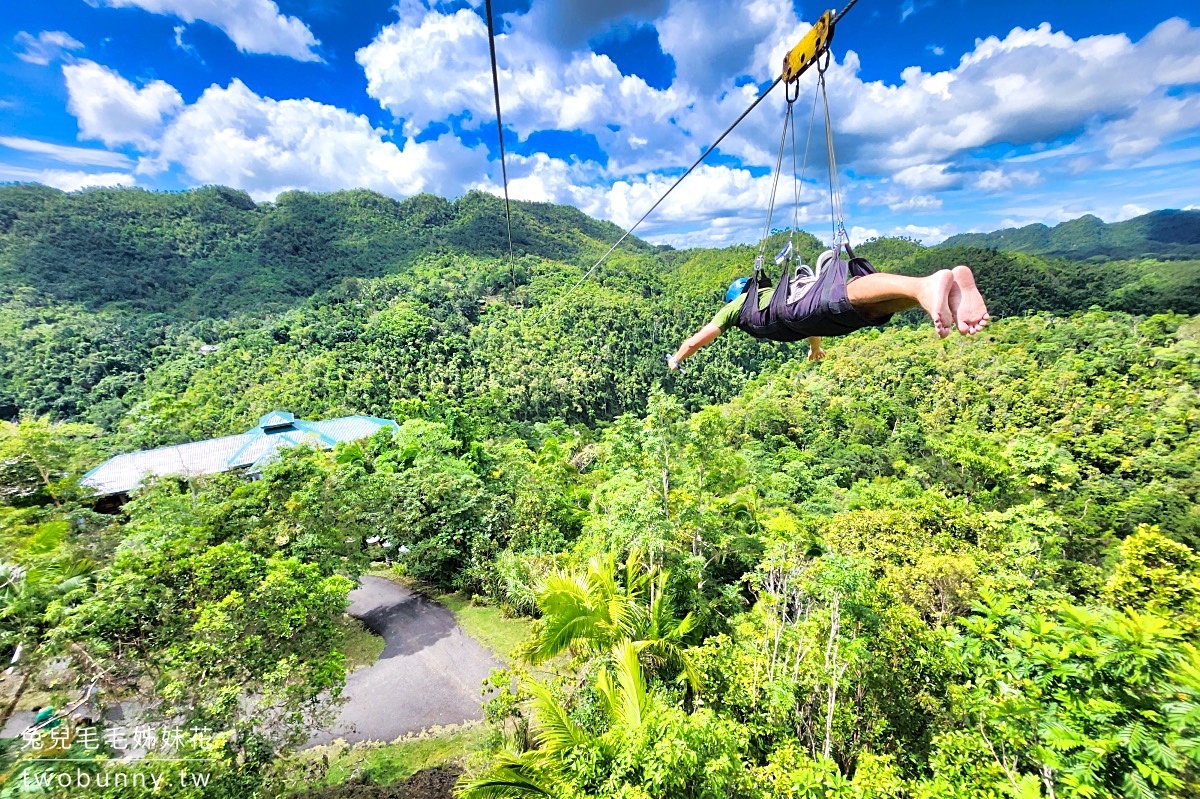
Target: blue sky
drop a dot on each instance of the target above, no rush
(948, 115)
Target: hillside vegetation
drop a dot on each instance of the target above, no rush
(353, 302)
(1161, 235)
(919, 568)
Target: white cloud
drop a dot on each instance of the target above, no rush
(431, 67)
(63, 179)
(570, 23)
(926, 235)
(184, 46)
(920, 202)
(927, 177)
(113, 110)
(1153, 121)
(234, 137)
(717, 206)
(1129, 211)
(1031, 86)
(83, 156)
(45, 47)
(752, 38)
(861, 234)
(255, 26)
(542, 178)
(994, 180)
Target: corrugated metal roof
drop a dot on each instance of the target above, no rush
(276, 419)
(255, 448)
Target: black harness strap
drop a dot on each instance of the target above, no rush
(802, 307)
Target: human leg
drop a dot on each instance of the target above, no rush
(966, 303)
(881, 293)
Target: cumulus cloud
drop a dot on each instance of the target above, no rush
(255, 26)
(45, 47)
(1032, 86)
(83, 156)
(753, 37)
(113, 110)
(431, 67)
(861, 234)
(719, 205)
(570, 23)
(543, 178)
(235, 137)
(924, 234)
(64, 179)
(927, 177)
(994, 180)
(1129, 211)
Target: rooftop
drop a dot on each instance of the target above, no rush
(251, 450)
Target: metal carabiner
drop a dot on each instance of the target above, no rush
(787, 92)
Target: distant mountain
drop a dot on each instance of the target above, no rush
(1163, 235)
(213, 251)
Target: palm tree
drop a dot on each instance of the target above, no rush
(545, 771)
(593, 613)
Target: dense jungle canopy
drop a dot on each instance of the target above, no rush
(921, 567)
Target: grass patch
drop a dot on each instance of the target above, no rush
(362, 647)
(485, 623)
(391, 763)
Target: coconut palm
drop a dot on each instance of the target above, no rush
(592, 613)
(544, 771)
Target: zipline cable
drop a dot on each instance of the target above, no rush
(703, 155)
(691, 169)
(512, 270)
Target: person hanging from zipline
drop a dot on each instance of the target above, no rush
(843, 296)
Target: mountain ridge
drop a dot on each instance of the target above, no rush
(1169, 234)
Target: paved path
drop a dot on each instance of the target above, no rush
(429, 673)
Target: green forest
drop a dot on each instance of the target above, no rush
(1169, 235)
(922, 567)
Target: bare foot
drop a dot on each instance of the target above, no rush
(934, 296)
(966, 303)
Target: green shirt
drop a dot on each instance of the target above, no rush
(727, 316)
(46, 714)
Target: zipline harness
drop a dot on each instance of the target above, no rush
(798, 60)
(806, 302)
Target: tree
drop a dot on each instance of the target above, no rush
(1086, 703)
(597, 612)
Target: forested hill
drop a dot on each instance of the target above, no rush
(213, 251)
(169, 305)
(922, 567)
(1164, 235)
